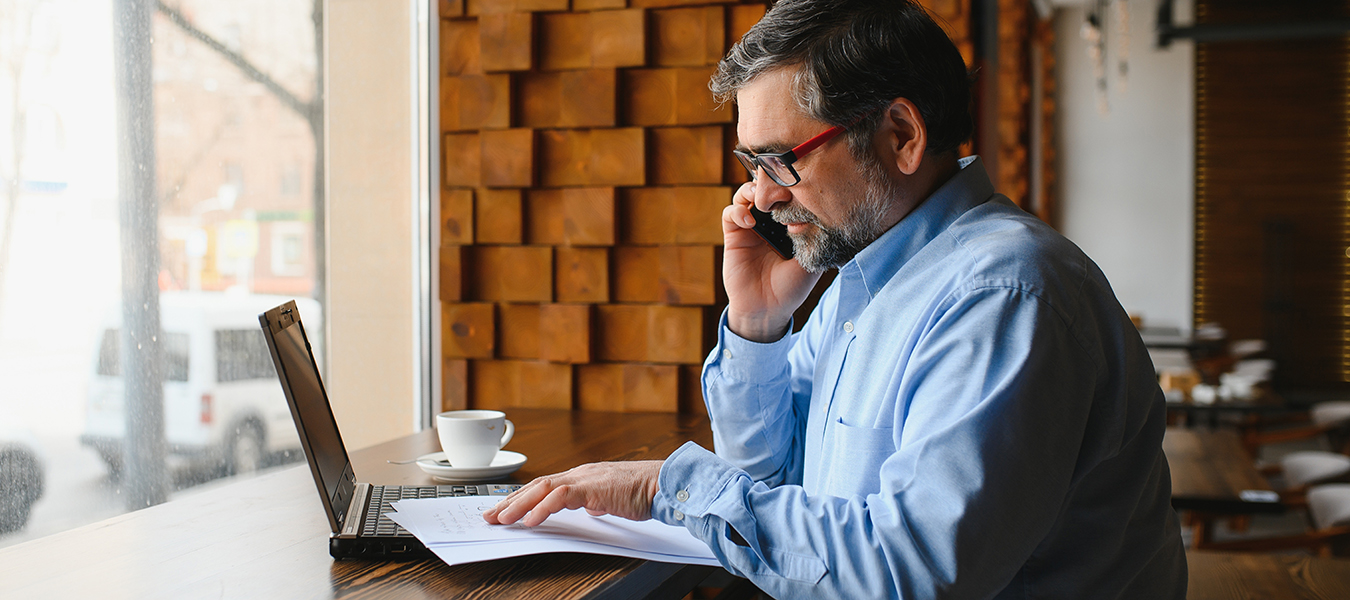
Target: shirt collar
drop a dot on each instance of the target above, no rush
(881, 259)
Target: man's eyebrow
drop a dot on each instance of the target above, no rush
(775, 148)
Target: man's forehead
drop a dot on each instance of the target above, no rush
(769, 115)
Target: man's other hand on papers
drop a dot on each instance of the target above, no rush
(623, 489)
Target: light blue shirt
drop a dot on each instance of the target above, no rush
(968, 413)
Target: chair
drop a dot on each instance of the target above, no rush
(1329, 513)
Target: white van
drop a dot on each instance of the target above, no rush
(223, 404)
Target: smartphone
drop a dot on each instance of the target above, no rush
(773, 232)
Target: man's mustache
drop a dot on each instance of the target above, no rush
(794, 213)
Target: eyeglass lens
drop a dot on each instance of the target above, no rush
(780, 172)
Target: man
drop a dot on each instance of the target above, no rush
(968, 413)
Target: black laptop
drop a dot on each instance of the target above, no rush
(355, 510)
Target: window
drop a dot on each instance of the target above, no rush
(242, 354)
(174, 356)
(226, 99)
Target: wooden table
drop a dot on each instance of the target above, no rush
(1211, 470)
(267, 537)
(1210, 474)
(1240, 576)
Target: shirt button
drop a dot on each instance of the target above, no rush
(848, 326)
(682, 495)
(679, 516)
(726, 354)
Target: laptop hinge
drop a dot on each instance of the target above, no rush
(356, 512)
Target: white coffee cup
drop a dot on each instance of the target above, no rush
(471, 438)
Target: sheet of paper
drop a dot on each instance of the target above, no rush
(468, 552)
(441, 523)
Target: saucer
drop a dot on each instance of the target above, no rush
(505, 463)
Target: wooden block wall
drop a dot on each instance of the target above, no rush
(585, 169)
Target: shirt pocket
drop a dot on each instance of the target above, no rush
(856, 457)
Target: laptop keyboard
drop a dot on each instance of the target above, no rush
(382, 498)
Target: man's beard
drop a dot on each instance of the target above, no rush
(824, 247)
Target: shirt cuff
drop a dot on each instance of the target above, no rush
(743, 360)
(690, 480)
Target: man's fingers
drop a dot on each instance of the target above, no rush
(511, 509)
(556, 500)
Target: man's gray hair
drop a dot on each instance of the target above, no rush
(856, 56)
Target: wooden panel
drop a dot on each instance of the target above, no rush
(518, 331)
(545, 385)
(475, 101)
(732, 171)
(686, 155)
(651, 388)
(456, 217)
(637, 274)
(673, 215)
(463, 160)
(582, 274)
(564, 157)
(565, 41)
(598, 4)
(573, 216)
(451, 273)
(628, 387)
(565, 333)
(600, 387)
(675, 334)
(513, 273)
(450, 8)
(665, 3)
(618, 157)
(621, 331)
(740, 18)
(665, 274)
(497, 216)
(675, 96)
(540, 5)
(460, 47)
(454, 384)
(539, 98)
(583, 98)
(588, 98)
(646, 333)
(494, 384)
(691, 390)
(688, 275)
(507, 41)
(490, 7)
(588, 216)
(619, 38)
(508, 157)
(544, 216)
(688, 37)
(467, 330)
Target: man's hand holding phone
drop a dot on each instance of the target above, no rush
(763, 288)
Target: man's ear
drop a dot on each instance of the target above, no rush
(906, 135)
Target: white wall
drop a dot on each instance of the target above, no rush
(1126, 178)
(371, 270)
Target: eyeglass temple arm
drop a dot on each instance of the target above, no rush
(811, 144)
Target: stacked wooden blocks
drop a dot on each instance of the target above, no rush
(585, 169)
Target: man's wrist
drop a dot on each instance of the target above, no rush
(764, 330)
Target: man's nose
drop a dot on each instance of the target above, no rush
(769, 194)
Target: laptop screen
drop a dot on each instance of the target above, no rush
(299, 374)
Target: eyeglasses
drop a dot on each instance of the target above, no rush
(779, 165)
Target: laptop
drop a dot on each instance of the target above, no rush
(355, 510)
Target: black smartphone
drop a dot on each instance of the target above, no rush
(773, 232)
